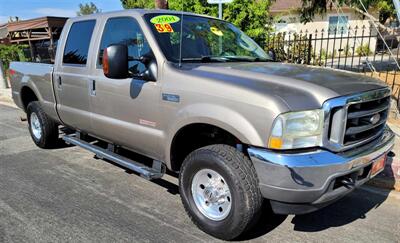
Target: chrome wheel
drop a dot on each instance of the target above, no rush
(211, 194)
(35, 126)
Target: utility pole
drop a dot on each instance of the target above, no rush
(220, 10)
(219, 2)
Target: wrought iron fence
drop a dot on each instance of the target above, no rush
(357, 49)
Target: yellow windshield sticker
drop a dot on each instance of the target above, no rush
(216, 31)
(164, 19)
(164, 28)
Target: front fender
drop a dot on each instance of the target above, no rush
(216, 115)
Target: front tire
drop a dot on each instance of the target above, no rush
(219, 190)
(43, 130)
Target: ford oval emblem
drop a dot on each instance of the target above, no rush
(375, 119)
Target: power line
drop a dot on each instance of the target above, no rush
(369, 63)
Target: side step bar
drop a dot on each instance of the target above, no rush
(149, 173)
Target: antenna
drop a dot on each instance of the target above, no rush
(181, 34)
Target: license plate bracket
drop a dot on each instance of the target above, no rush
(378, 165)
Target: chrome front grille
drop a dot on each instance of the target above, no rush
(355, 120)
(364, 120)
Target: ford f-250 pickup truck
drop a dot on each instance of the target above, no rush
(195, 95)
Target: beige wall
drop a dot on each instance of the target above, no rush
(292, 25)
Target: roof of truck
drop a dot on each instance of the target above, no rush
(139, 11)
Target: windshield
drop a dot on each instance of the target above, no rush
(204, 39)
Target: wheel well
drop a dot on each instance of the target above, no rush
(27, 96)
(194, 136)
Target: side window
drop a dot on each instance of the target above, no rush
(337, 24)
(78, 41)
(125, 30)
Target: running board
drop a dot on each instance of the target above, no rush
(149, 173)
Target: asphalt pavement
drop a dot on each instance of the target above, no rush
(66, 195)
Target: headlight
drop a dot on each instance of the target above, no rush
(297, 130)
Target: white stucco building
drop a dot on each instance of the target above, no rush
(287, 17)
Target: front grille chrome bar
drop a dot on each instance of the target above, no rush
(335, 115)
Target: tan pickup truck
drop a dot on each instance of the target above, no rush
(195, 95)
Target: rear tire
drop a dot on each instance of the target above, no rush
(225, 167)
(43, 130)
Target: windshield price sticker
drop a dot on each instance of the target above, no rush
(216, 31)
(164, 28)
(164, 19)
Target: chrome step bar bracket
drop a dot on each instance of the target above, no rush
(149, 173)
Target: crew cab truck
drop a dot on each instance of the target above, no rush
(195, 95)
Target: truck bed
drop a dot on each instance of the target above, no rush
(38, 77)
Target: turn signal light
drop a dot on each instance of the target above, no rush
(11, 72)
(106, 67)
(275, 143)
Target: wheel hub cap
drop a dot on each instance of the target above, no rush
(35, 126)
(211, 194)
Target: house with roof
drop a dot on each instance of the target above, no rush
(337, 23)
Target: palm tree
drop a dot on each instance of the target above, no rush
(162, 4)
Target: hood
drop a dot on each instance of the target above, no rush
(300, 86)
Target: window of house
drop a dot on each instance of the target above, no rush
(78, 42)
(338, 24)
(126, 31)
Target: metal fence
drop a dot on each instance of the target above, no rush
(357, 49)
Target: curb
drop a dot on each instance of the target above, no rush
(6, 98)
(385, 183)
(9, 104)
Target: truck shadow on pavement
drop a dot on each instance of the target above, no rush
(353, 207)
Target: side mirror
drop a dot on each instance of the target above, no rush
(272, 54)
(151, 72)
(115, 62)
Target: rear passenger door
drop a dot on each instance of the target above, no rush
(71, 78)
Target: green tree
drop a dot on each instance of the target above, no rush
(386, 10)
(128, 4)
(249, 15)
(87, 8)
(194, 6)
(252, 16)
(10, 53)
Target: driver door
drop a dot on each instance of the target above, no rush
(125, 111)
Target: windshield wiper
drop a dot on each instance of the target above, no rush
(204, 59)
(247, 59)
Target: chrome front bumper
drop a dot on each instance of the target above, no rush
(312, 178)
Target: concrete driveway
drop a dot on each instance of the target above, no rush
(66, 194)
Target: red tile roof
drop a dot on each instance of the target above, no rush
(286, 5)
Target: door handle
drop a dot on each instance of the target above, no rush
(93, 88)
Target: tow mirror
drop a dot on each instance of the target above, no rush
(150, 74)
(115, 62)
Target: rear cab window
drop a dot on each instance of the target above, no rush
(77, 46)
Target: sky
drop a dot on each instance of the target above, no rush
(27, 9)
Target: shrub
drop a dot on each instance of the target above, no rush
(295, 51)
(363, 50)
(10, 53)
